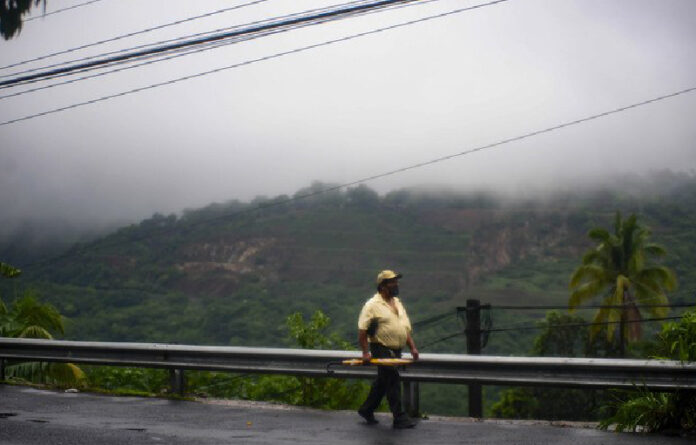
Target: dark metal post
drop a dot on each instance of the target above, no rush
(177, 381)
(2, 369)
(411, 398)
(473, 346)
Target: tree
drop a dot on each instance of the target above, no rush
(11, 12)
(28, 318)
(323, 392)
(363, 197)
(619, 270)
(562, 335)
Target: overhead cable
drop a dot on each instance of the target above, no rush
(439, 340)
(433, 319)
(599, 306)
(57, 11)
(248, 62)
(185, 37)
(148, 61)
(314, 18)
(554, 326)
(576, 325)
(123, 36)
(183, 52)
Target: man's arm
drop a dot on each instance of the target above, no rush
(412, 345)
(362, 340)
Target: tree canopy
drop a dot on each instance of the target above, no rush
(11, 12)
(620, 270)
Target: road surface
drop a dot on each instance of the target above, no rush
(34, 416)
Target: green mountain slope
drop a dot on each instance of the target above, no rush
(230, 274)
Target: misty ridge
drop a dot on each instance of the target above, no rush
(24, 240)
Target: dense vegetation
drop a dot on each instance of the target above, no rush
(655, 411)
(231, 274)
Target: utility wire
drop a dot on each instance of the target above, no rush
(600, 306)
(277, 55)
(439, 340)
(181, 38)
(575, 325)
(195, 49)
(180, 53)
(193, 42)
(569, 325)
(123, 36)
(61, 10)
(184, 52)
(433, 319)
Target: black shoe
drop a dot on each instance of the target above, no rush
(368, 416)
(403, 422)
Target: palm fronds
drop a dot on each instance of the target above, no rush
(619, 271)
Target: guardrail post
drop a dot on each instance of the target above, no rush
(473, 346)
(411, 398)
(177, 381)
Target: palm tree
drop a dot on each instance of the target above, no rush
(618, 270)
(27, 318)
(30, 319)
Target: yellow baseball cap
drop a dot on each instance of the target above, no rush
(387, 275)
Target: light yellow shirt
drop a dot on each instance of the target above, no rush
(392, 329)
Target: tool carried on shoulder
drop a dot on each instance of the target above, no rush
(372, 361)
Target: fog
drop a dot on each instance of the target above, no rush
(350, 110)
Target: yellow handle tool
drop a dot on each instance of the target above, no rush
(378, 361)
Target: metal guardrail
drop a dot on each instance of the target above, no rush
(441, 368)
(659, 375)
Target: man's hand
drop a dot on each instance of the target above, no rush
(412, 346)
(362, 340)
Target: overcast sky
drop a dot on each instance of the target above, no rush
(348, 110)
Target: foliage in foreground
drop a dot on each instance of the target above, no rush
(29, 318)
(653, 411)
(561, 336)
(324, 393)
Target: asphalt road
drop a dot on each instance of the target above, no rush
(32, 416)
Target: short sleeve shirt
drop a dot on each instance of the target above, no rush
(392, 328)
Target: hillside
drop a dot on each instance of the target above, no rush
(229, 274)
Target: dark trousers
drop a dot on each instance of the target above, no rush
(387, 383)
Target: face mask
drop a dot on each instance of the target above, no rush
(394, 291)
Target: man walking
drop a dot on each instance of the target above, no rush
(384, 326)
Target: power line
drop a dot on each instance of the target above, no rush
(555, 326)
(61, 10)
(600, 306)
(123, 36)
(184, 52)
(181, 53)
(183, 38)
(439, 340)
(315, 18)
(574, 325)
(249, 62)
(433, 319)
